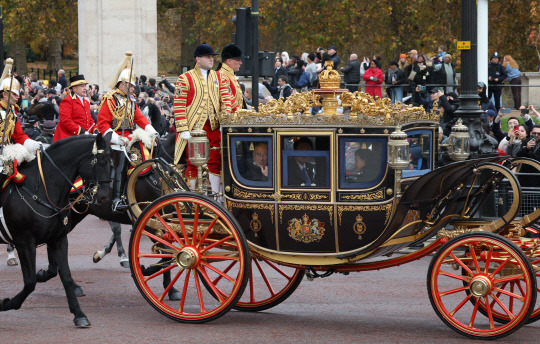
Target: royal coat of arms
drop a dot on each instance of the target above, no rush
(306, 231)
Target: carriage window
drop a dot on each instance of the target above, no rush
(362, 161)
(420, 154)
(252, 160)
(306, 161)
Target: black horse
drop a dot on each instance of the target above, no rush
(147, 188)
(38, 210)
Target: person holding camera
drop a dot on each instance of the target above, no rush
(513, 123)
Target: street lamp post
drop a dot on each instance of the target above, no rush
(469, 110)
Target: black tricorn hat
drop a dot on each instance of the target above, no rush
(77, 80)
(231, 51)
(203, 50)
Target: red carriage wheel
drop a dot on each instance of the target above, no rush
(493, 265)
(269, 285)
(196, 239)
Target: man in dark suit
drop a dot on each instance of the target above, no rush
(301, 170)
(258, 170)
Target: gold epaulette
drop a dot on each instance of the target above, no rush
(107, 96)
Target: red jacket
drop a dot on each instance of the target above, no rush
(18, 135)
(105, 116)
(370, 89)
(73, 118)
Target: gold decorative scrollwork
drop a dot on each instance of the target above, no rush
(373, 196)
(458, 230)
(387, 208)
(249, 195)
(261, 206)
(302, 207)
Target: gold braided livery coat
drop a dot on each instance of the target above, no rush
(197, 100)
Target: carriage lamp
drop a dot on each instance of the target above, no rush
(459, 142)
(198, 152)
(398, 150)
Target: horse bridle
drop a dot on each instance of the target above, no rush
(93, 183)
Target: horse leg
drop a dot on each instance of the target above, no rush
(52, 271)
(59, 253)
(117, 232)
(100, 254)
(174, 294)
(27, 256)
(11, 259)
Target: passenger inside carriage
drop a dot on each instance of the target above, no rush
(362, 172)
(258, 169)
(306, 169)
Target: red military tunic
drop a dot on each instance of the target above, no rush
(110, 112)
(14, 132)
(74, 117)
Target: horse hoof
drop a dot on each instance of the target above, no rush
(124, 263)
(12, 262)
(79, 291)
(82, 322)
(175, 296)
(3, 304)
(98, 256)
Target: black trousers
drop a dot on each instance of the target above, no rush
(496, 92)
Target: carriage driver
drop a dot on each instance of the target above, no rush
(112, 116)
(200, 96)
(11, 130)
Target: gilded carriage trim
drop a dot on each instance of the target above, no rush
(306, 231)
(372, 196)
(238, 193)
(371, 208)
(302, 207)
(241, 205)
(305, 196)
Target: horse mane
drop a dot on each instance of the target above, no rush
(68, 141)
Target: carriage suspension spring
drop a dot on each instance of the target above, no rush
(312, 274)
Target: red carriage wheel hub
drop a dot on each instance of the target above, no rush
(480, 286)
(188, 258)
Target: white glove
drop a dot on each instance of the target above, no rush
(31, 145)
(150, 130)
(372, 78)
(118, 140)
(185, 135)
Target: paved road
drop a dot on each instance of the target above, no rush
(388, 306)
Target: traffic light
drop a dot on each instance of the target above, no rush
(243, 38)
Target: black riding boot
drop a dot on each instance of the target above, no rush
(118, 179)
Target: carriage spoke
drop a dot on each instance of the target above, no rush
(488, 259)
(458, 307)
(220, 257)
(195, 225)
(217, 292)
(181, 220)
(499, 268)
(184, 292)
(173, 282)
(219, 242)
(199, 293)
(474, 312)
(155, 255)
(170, 230)
(511, 295)
(489, 314)
(160, 272)
(225, 271)
(453, 291)
(218, 272)
(158, 239)
(278, 269)
(474, 257)
(458, 277)
(463, 265)
(205, 234)
(265, 278)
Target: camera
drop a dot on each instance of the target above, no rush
(524, 111)
(422, 88)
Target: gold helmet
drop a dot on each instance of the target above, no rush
(123, 71)
(5, 83)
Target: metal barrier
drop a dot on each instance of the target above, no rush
(52, 74)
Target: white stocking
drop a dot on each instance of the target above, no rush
(215, 183)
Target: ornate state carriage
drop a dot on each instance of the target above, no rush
(340, 193)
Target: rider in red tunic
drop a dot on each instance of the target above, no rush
(113, 117)
(75, 117)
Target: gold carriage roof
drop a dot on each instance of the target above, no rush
(365, 110)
